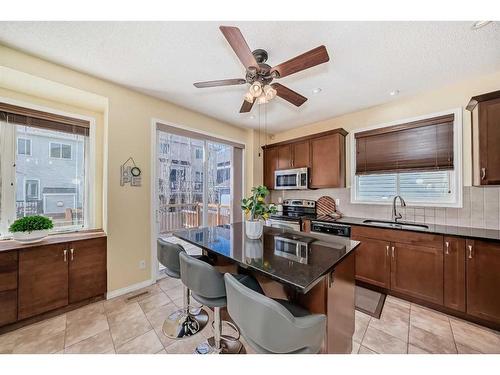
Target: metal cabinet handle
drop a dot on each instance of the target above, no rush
(392, 249)
(447, 248)
(72, 251)
(470, 251)
(65, 253)
(387, 250)
(483, 173)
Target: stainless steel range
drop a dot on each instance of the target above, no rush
(293, 210)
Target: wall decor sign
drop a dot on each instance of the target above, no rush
(130, 173)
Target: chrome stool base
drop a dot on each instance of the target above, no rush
(180, 324)
(227, 346)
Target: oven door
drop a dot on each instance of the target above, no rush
(290, 179)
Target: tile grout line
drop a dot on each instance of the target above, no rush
(453, 335)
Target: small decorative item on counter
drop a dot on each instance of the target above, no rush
(256, 211)
(30, 229)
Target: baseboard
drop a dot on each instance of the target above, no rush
(130, 288)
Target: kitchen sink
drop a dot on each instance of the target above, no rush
(396, 225)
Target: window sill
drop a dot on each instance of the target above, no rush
(411, 204)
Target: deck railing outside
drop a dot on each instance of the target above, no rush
(178, 216)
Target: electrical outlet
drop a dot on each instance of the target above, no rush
(337, 202)
(142, 264)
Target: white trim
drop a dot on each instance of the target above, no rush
(457, 155)
(90, 201)
(130, 288)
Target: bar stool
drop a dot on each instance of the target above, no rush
(273, 326)
(186, 321)
(207, 287)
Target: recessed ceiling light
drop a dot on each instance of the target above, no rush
(394, 93)
(316, 90)
(479, 24)
(252, 117)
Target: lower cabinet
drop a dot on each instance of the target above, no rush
(483, 279)
(43, 279)
(373, 263)
(417, 271)
(454, 273)
(8, 307)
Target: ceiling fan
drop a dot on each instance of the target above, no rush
(260, 75)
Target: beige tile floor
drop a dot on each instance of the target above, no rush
(120, 325)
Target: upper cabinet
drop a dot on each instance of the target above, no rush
(485, 118)
(323, 154)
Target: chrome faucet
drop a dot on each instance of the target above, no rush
(397, 215)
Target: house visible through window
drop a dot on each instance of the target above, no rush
(60, 150)
(40, 184)
(24, 146)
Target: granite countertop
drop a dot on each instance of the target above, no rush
(275, 254)
(478, 233)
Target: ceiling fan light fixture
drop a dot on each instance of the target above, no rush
(269, 92)
(479, 24)
(262, 99)
(256, 89)
(249, 97)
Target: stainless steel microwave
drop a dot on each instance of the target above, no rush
(291, 179)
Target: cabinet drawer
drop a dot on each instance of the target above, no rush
(8, 270)
(401, 236)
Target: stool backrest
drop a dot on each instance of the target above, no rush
(201, 278)
(168, 256)
(270, 325)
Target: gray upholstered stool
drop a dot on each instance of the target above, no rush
(207, 287)
(273, 326)
(186, 321)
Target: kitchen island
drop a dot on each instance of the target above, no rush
(313, 270)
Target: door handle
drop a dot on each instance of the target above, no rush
(483, 173)
(65, 254)
(447, 248)
(470, 251)
(71, 252)
(387, 250)
(392, 249)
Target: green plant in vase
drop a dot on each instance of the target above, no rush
(256, 211)
(31, 228)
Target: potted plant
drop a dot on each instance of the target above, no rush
(256, 211)
(31, 229)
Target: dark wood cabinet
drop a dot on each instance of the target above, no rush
(270, 165)
(454, 273)
(8, 307)
(314, 152)
(483, 279)
(87, 269)
(300, 154)
(43, 279)
(373, 263)
(485, 112)
(417, 271)
(284, 156)
(8, 270)
(327, 161)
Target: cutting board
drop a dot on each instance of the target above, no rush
(326, 206)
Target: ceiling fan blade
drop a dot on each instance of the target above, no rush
(220, 82)
(239, 45)
(307, 60)
(289, 95)
(246, 106)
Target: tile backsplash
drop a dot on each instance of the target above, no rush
(481, 207)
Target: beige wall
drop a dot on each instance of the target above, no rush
(445, 98)
(124, 118)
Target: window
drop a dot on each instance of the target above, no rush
(39, 185)
(419, 159)
(24, 146)
(32, 190)
(60, 150)
(199, 153)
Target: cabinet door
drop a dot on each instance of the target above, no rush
(87, 269)
(300, 154)
(483, 279)
(489, 139)
(8, 270)
(373, 263)
(270, 165)
(284, 156)
(43, 279)
(417, 271)
(454, 273)
(327, 161)
(8, 307)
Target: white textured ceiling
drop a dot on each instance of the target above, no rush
(367, 60)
